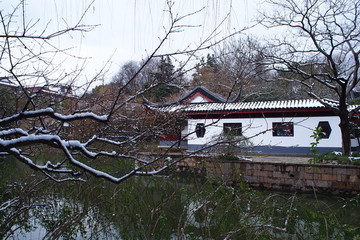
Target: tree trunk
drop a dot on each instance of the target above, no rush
(345, 134)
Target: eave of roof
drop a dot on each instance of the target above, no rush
(218, 106)
(198, 91)
(210, 96)
(244, 106)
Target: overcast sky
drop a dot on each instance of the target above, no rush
(131, 29)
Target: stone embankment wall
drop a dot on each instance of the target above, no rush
(324, 178)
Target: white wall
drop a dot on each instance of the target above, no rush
(260, 133)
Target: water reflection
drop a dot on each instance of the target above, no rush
(32, 207)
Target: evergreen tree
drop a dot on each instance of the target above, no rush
(163, 81)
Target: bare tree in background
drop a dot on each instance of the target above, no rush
(242, 60)
(79, 132)
(236, 70)
(325, 33)
(128, 70)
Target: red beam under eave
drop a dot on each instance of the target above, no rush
(262, 113)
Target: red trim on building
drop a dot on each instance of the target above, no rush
(198, 94)
(168, 137)
(263, 113)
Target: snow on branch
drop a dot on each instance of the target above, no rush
(31, 130)
(49, 112)
(9, 203)
(13, 131)
(11, 146)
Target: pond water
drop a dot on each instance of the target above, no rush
(164, 207)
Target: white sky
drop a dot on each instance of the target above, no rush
(131, 29)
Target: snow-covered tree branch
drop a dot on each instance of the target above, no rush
(79, 134)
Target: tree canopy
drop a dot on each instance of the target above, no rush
(320, 51)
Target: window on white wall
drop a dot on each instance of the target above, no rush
(325, 129)
(200, 130)
(234, 129)
(283, 129)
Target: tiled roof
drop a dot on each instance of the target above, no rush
(246, 106)
(203, 91)
(212, 97)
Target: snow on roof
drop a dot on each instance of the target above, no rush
(195, 96)
(217, 104)
(245, 106)
(212, 97)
